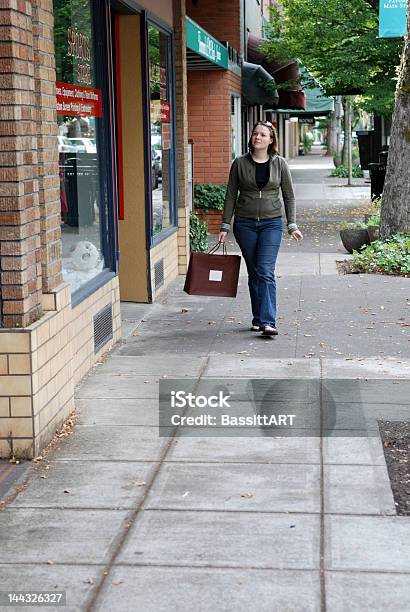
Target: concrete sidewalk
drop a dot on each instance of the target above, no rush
(124, 520)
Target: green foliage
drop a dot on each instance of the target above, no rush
(349, 225)
(373, 220)
(337, 40)
(198, 234)
(376, 206)
(307, 144)
(389, 257)
(207, 195)
(342, 172)
(379, 99)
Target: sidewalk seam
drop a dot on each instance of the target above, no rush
(131, 518)
(322, 501)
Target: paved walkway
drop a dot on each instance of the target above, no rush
(125, 520)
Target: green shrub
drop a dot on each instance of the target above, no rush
(307, 144)
(198, 234)
(207, 195)
(386, 256)
(376, 205)
(352, 225)
(342, 172)
(373, 220)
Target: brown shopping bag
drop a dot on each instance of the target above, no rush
(210, 274)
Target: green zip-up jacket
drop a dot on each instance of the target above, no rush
(244, 198)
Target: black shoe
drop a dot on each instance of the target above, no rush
(256, 328)
(269, 330)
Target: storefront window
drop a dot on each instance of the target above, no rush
(160, 126)
(80, 118)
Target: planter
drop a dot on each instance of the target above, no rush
(373, 232)
(212, 217)
(354, 239)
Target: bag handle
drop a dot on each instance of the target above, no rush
(216, 247)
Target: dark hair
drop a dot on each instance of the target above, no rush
(273, 148)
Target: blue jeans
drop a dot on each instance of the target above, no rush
(259, 242)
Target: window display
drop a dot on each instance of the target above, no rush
(160, 128)
(79, 117)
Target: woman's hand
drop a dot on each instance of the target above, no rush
(222, 237)
(297, 235)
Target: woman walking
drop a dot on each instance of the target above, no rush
(252, 197)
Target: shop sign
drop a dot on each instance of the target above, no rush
(308, 120)
(76, 100)
(78, 47)
(202, 43)
(392, 18)
(160, 111)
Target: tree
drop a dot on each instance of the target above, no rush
(338, 42)
(395, 211)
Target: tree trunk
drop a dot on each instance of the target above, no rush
(345, 120)
(349, 139)
(395, 210)
(338, 121)
(332, 135)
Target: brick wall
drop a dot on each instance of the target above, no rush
(221, 18)
(181, 112)
(209, 120)
(47, 152)
(30, 245)
(20, 254)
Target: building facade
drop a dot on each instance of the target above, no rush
(93, 191)
(102, 105)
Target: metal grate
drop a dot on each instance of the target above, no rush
(102, 327)
(159, 273)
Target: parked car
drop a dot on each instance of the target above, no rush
(65, 145)
(84, 145)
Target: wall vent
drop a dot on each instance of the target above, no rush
(102, 327)
(159, 273)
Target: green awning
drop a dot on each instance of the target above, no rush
(258, 86)
(203, 50)
(317, 102)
